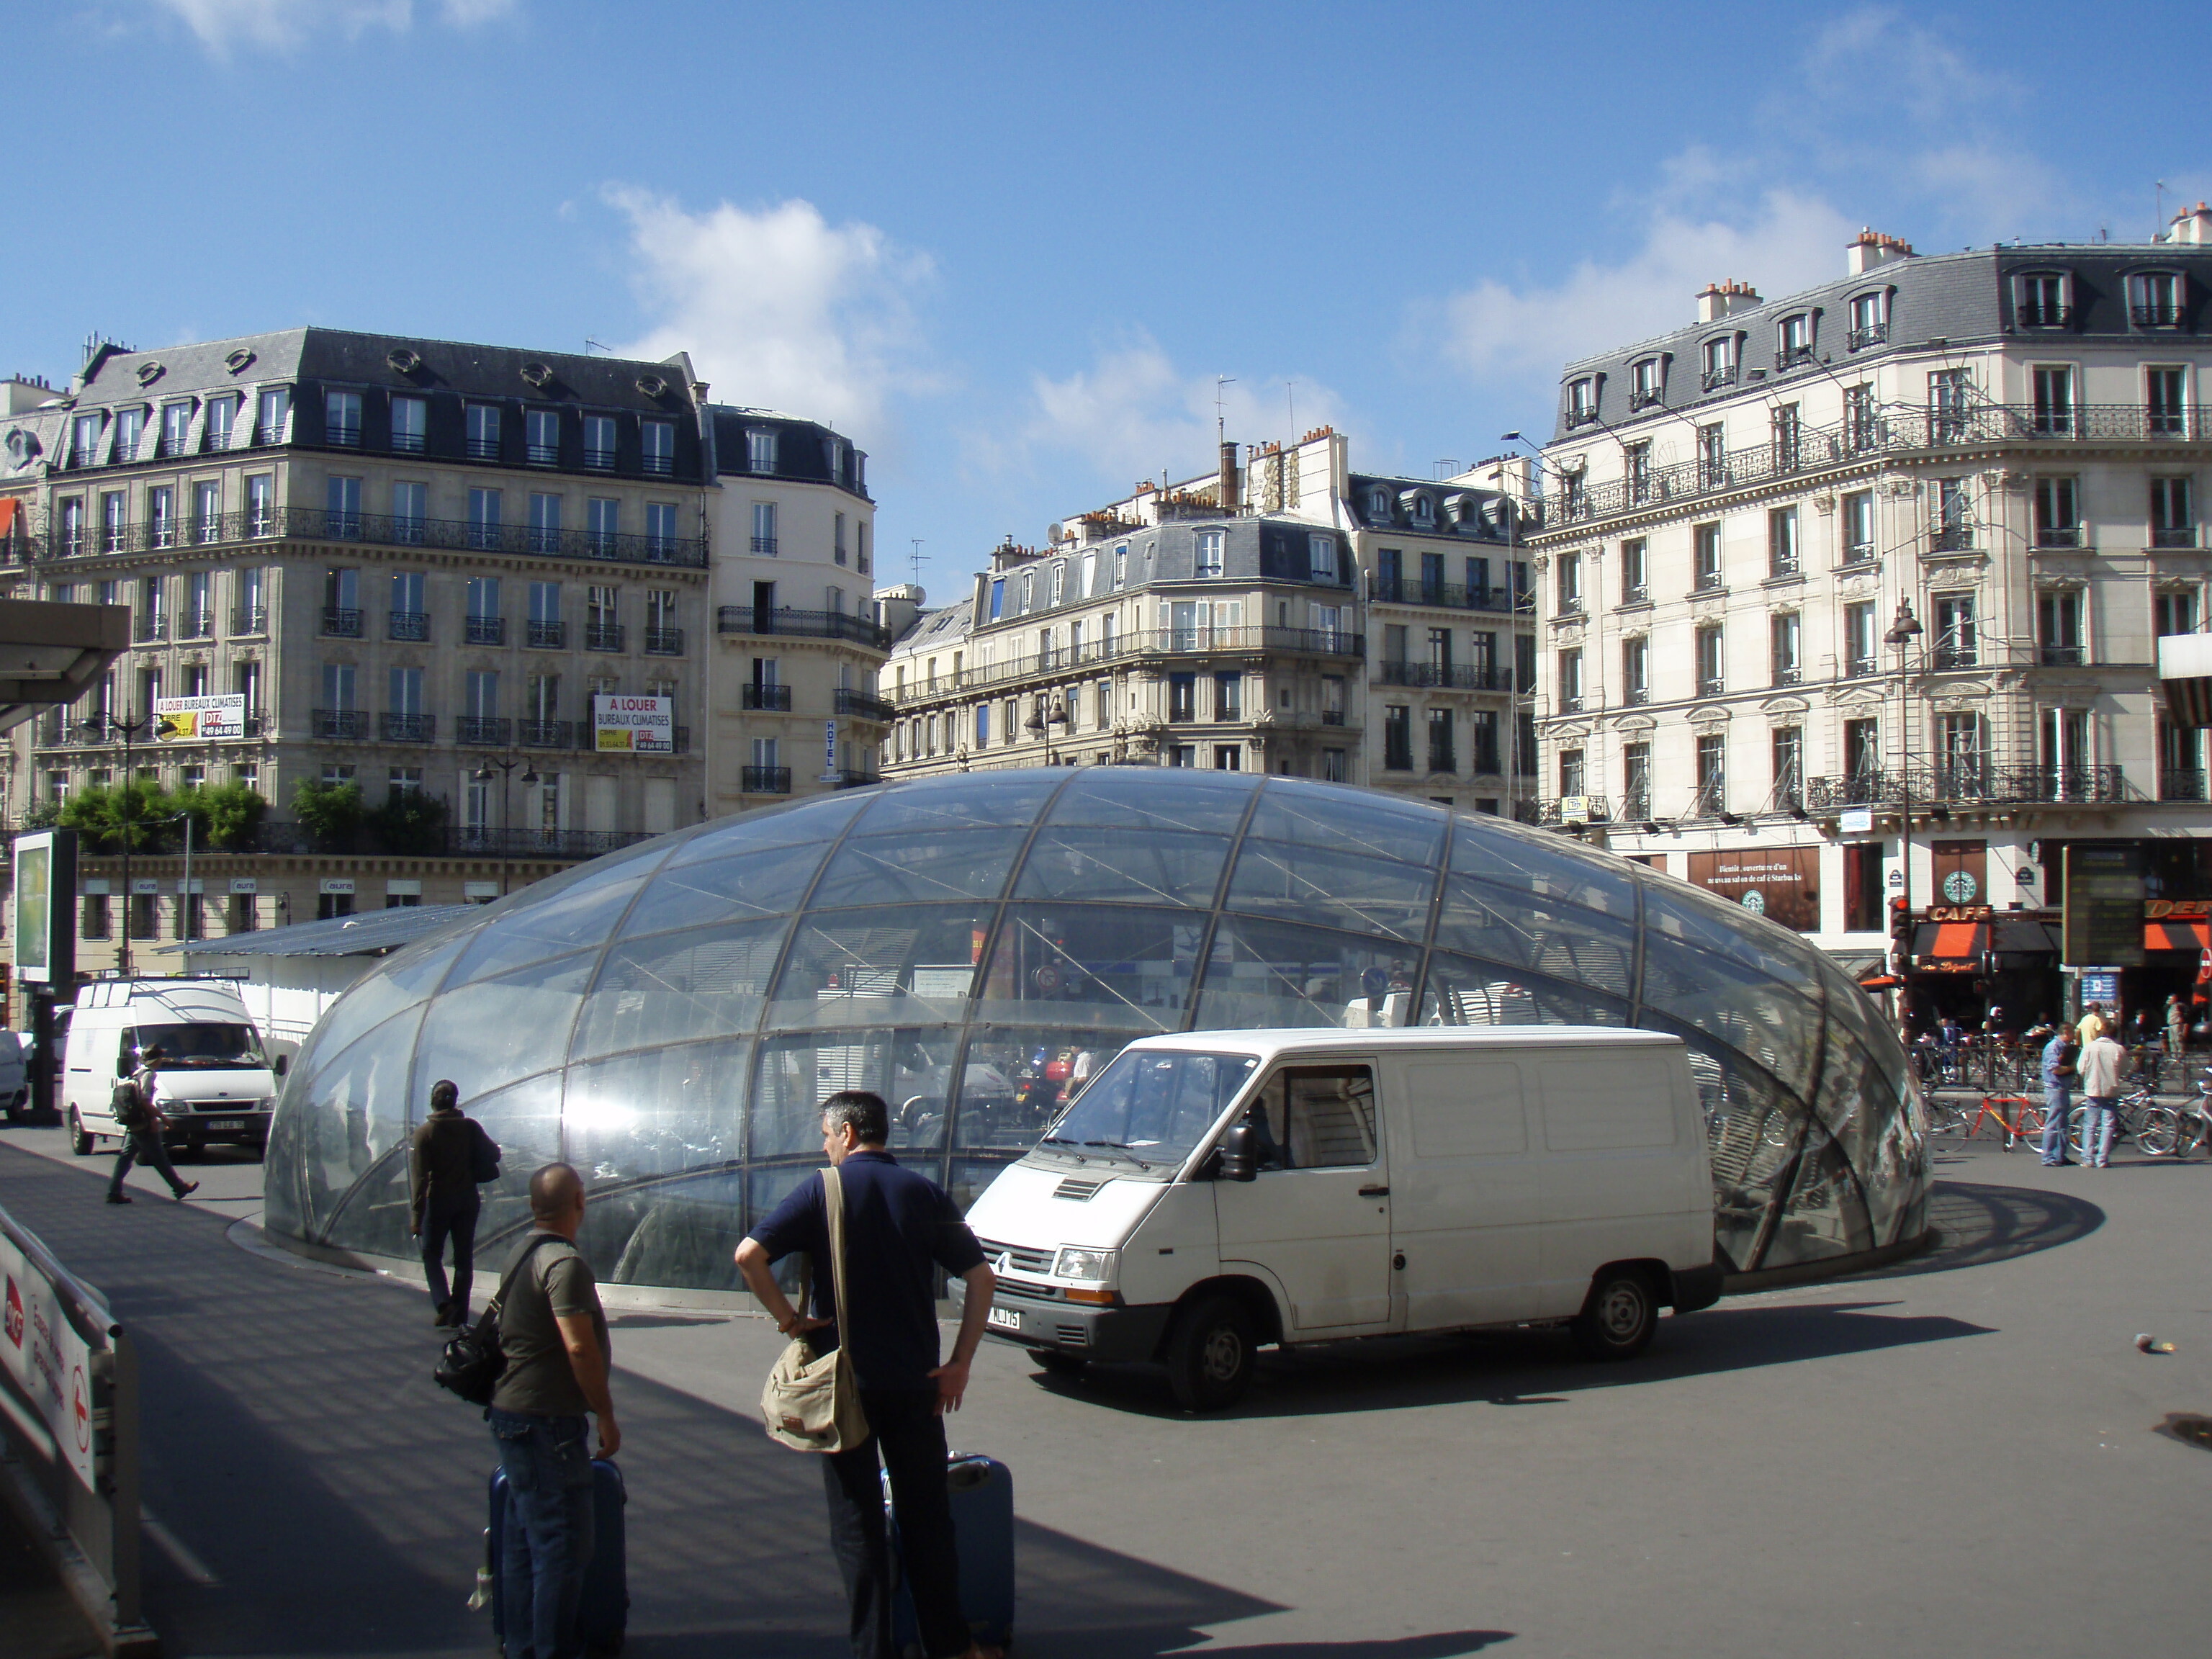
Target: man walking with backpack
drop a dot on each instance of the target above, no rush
(899, 1227)
(133, 1105)
(452, 1155)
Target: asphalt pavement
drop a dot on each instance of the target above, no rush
(1959, 1455)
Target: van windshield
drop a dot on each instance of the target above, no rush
(1151, 1107)
(203, 1046)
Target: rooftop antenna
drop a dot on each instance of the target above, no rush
(1220, 419)
(1290, 399)
(2158, 231)
(916, 557)
(591, 345)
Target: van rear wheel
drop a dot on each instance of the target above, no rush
(1210, 1354)
(79, 1142)
(1617, 1319)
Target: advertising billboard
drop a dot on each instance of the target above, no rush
(198, 720)
(633, 726)
(45, 921)
(1782, 883)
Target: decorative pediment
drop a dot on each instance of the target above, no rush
(1775, 707)
(1712, 715)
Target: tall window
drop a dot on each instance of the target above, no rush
(245, 683)
(1321, 555)
(1788, 437)
(2053, 391)
(1581, 403)
(410, 503)
(222, 415)
(485, 624)
(480, 694)
(1572, 777)
(1953, 530)
(162, 515)
(1643, 385)
(1782, 542)
(1706, 542)
(486, 509)
(2057, 522)
(1788, 766)
(249, 585)
(406, 692)
(1869, 320)
(410, 425)
(1712, 774)
(1858, 526)
(1636, 669)
(484, 431)
(2172, 517)
(603, 522)
(2043, 301)
(1570, 584)
(129, 428)
(661, 529)
(343, 501)
(1571, 680)
(1860, 657)
(1636, 471)
(765, 527)
(1795, 341)
(599, 442)
(2175, 611)
(1860, 429)
(1712, 457)
(657, 438)
(2155, 298)
(545, 625)
(1635, 781)
(2058, 628)
(337, 686)
(341, 418)
(1635, 586)
(207, 511)
(1397, 737)
(1958, 751)
(1719, 362)
(1861, 749)
(1711, 682)
(541, 437)
(1443, 757)
(1209, 552)
(1783, 647)
(272, 417)
(176, 426)
(2166, 402)
(260, 504)
(760, 451)
(1949, 390)
(1958, 636)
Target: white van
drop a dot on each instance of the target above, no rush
(1213, 1192)
(216, 1083)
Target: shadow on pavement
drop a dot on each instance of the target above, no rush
(1981, 1224)
(1445, 1645)
(1528, 1368)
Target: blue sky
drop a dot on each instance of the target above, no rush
(1009, 249)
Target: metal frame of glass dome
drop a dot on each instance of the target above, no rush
(973, 946)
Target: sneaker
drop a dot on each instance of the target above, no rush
(187, 1190)
(117, 1198)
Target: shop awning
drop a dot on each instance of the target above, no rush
(11, 510)
(1950, 945)
(2016, 936)
(2177, 935)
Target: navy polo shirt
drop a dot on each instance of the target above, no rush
(899, 1227)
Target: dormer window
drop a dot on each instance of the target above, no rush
(1644, 384)
(1720, 364)
(1378, 505)
(1420, 509)
(2155, 298)
(1581, 401)
(2044, 300)
(1795, 341)
(1058, 581)
(1029, 590)
(1870, 321)
(1209, 552)
(1321, 554)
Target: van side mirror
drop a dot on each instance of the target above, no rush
(1240, 1158)
(283, 1064)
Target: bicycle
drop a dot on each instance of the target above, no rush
(2022, 1126)
(2176, 1131)
(2129, 1113)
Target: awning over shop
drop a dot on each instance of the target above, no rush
(11, 512)
(2016, 936)
(2172, 934)
(1950, 946)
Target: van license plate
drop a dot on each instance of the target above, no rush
(225, 1123)
(1006, 1319)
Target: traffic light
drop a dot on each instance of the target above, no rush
(1900, 933)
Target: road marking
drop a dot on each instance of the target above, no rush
(175, 1548)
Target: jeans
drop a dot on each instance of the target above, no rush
(144, 1145)
(908, 1438)
(2097, 1130)
(458, 1221)
(547, 1536)
(2056, 1105)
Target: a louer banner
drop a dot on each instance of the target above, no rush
(48, 1360)
(634, 725)
(198, 720)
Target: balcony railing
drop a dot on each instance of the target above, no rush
(1872, 334)
(659, 466)
(2173, 535)
(340, 624)
(861, 705)
(775, 698)
(196, 625)
(664, 642)
(1790, 355)
(2156, 316)
(2032, 316)
(338, 723)
(765, 781)
(406, 443)
(603, 636)
(545, 636)
(543, 454)
(2178, 783)
(2058, 535)
(149, 626)
(764, 544)
(1951, 539)
(1551, 813)
(485, 630)
(1712, 688)
(546, 734)
(1328, 716)
(1636, 697)
(484, 449)
(408, 728)
(1640, 594)
(1787, 677)
(1955, 656)
(1182, 644)
(812, 624)
(410, 625)
(2061, 656)
(599, 460)
(1714, 379)
(482, 731)
(852, 778)
(381, 530)
(1969, 782)
(1478, 677)
(1450, 595)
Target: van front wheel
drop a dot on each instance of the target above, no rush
(1210, 1354)
(1617, 1319)
(79, 1142)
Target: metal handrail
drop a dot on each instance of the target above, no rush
(378, 529)
(1184, 643)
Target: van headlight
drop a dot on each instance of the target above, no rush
(1093, 1267)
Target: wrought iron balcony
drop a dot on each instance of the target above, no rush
(485, 630)
(1872, 334)
(2178, 783)
(2173, 535)
(664, 642)
(1970, 782)
(1552, 813)
(1951, 539)
(410, 625)
(1636, 697)
(1396, 590)
(1787, 677)
(148, 627)
(2058, 535)
(603, 636)
(339, 723)
(1328, 716)
(1714, 379)
(813, 624)
(764, 544)
(1480, 677)
(2061, 656)
(1955, 656)
(1640, 594)
(408, 728)
(196, 625)
(2034, 316)
(2159, 315)
(406, 443)
(546, 734)
(340, 624)
(545, 636)
(481, 730)
(1789, 356)
(1711, 688)
(543, 454)
(775, 698)
(484, 449)
(659, 466)
(765, 781)
(1782, 566)
(861, 706)
(1580, 415)
(599, 460)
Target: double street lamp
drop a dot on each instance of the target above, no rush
(482, 775)
(104, 724)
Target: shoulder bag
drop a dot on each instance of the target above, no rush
(483, 1154)
(472, 1361)
(813, 1401)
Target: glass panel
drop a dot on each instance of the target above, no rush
(353, 1113)
(525, 1121)
(1531, 929)
(1145, 864)
(919, 867)
(706, 981)
(910, 1067)
(1467, 991)
(1489, 849)
(1263, 974)
(584, 915)
(1825, 1215)
(1714, 925)
(1338, 820)
(374, 1218)
(399, 981)
(1120, 968)
(659, 1113)
(764, 882)
(1754, 1011)
(684, 1233)
(894, 965)
(1333, 887)
(817, 821)
(1016, 1082)
(1125, 799)
(1750, 1136)
(967, 801)
(488, 1034)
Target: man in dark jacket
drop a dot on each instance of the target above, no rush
(450, 1152)
(899, 1227)
(142, 1122)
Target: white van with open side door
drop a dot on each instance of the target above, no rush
(1213, 1192)
(215, 1084)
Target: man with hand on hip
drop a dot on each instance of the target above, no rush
(2100, 1091)
(899, 1227)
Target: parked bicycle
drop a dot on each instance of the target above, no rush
(2130, 1111)
(2178, 1131)
(2019, 1119)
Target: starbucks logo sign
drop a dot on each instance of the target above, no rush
(1961, 888)
(1754, 901)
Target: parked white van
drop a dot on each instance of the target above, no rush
(216, 1083)
(1213, 1192)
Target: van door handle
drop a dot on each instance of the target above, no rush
(1375, 1192)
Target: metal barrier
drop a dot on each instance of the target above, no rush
(68, 1435)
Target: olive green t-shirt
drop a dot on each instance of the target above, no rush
(538, 1379)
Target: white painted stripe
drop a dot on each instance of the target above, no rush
(175, 1548)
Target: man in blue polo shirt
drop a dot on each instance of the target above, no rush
(899, 1227)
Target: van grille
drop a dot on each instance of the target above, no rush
(1078, 1189)
(1038, 1262)
(1074, 1336)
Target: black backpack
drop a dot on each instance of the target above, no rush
(472, 1361)
(483, 1154)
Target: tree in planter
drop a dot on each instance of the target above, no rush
(330, 813)
(105, 813)
(225, 816)
(45, 814)
(410, 822)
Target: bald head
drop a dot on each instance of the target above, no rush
(555, 1192)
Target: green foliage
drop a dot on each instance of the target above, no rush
(410, 822)
(43, 813)
(224, 816)
(331, 813)
(107, 815)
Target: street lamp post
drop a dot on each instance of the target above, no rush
(104, 723)
(506, 771)
(1902, 633)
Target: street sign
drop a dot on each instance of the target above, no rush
(1857, 821)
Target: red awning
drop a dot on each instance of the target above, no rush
(2177, 935)
(11, 509)
(1950, 941)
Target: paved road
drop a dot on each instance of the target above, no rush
(1957, 1455)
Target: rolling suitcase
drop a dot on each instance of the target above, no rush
(982, 1492)
(603, 1610)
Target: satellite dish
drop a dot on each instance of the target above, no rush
(1054, 531)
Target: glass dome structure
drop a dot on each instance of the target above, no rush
(668, 1019)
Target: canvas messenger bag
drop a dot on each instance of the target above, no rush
(812, 1400)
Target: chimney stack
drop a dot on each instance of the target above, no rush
(1228, 493)
(2192, 225)
(1873, 248)
(1721, 300)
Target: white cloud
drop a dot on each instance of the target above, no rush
(1133, 412)
(280, 25)
(778, 308)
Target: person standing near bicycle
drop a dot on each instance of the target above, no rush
(2059, 1072)
(2177, 1026)
(2101, 1089)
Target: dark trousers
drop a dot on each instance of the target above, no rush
(144, 1145)
(443, 1219)
(908, 1440)
(547, 1537)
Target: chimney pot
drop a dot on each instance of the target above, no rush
(1228, 490)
